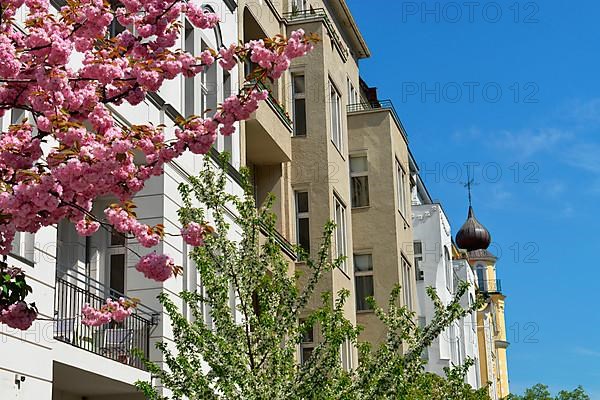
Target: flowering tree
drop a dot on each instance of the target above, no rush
(249, 350)
(71, 152)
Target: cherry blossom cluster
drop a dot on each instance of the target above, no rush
(67, 74)
(158, 267)
(124, 221)
(18, 316)
(195, 233)
(113, 310)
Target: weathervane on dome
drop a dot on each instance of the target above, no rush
(470, 182)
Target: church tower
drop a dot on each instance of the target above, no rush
(491, 328)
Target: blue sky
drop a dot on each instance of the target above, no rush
(537, 146)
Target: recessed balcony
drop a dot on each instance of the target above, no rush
(268, 134)
(116, 341)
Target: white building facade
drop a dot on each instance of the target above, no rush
(60, 359)
(435, 267)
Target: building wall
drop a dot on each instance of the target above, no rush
(431, 228)
(380, 229)
(35, 353)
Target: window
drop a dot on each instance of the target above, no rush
(299, 99)
(346, 355)
(308, 343)
(418, 258)
(363, 280)
(299, 5)
(189, 82)
(302, 220)
(335, 116)
(340, 232)
(352, 93)
(359, 180)
(481, 278)
(401, 188)
(116, 268)
(448, 268)
(23, 245)
(406, 284)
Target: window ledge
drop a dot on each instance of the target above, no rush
(343, 272)
(338, 150)
(361, 208)
(404, 219)
(22, 259)
(365, 311)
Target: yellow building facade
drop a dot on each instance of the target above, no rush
(491, 326)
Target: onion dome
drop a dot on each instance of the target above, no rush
(472, 235)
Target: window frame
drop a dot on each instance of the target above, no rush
(406, 283)
(340, 232)
(335, 117)
(401, 188)
(302, 215)
(358, 274)
(418, 259)
(448, 270)
(306, 344)
(298, 96)
(361, 174)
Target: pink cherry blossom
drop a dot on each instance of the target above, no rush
(113, 310)
(69, 105)
(194, 234)
(18, 316)
(158, 267)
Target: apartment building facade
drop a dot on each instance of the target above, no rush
(380, 171)
(58, 358)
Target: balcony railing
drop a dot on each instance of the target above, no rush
(318, 13)
(378, 105)
(490, 286)
(117, 341)
(277, 107)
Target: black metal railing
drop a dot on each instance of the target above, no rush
(377, 105)
(277, 107)
(490, 286)
(318, 13)
(117, 341)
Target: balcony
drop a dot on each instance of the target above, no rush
(493, 286)
(318, 14)
(378, 105)
(268, 133)
(116, 341)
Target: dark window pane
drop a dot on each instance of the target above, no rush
(418, 247)
(306, 353)
(299, 86)
(360, 191)
(304, 233)
(117, 238)
(302, 202)
(117, 272)
(364, 289)
(299, 117)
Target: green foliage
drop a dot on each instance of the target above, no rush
(250, 350)
(541, 392)
(13, 286)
